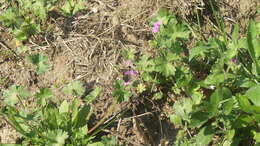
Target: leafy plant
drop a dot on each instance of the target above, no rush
(216, 82)
(50, 122)
(40, 61)
(24, 19)
(71, 7)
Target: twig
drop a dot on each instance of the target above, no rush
(7, 47)
(137, 116)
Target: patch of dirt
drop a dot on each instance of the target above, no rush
(88, 47)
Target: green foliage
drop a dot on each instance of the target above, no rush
(120, 93)
(49, 122)
(14, 94)
(224, 101)
(40, 61)
(74, 88)
(71, 7)
(24, 18)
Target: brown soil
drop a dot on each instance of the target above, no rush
(87, 47)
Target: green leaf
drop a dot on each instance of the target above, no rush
(254, 94)
(196, 51)
(13, 94)
(74, 88)
(129, 54)
(121, 94)
(183, 108)
(198, 119)
(81, 119)
(253, 43)
(228, 106)
(96, 144)
(176, 120)
(57, 137)
(44, 95)
(74, 109)
(40, 61)
(257, 137)
(205, 136)
(78, 6)
(235, 33)
(11, 116)
(181, 32)
(64, 107)
(93, 95)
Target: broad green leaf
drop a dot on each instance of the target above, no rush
(75, 88)
(43, 95)
(254, 94)
(13, 94)
(253, 43)
(228, 106)
(205, 136)
(257, 137)
(40, 61)
(198, 119)
(235, 33)
(246, 105)
(82, 116)
(183, 108)
(93, 95)
(74, 109)
(64, 107)
(176, 120)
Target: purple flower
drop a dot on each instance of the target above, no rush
(156, 26)
(131, 72)
(126, 83)
(128, 76)
(234, 60)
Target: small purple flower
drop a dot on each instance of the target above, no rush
(156, 26)
(128, 77)
(234, 60)
(131, 72)
(126, 83)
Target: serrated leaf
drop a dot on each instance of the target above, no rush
(196, 51)
(43, 95)
(64, 107)
(13, 94)
(78, 6)
(75, 88)
(93, 95)
(57, 137)
(254, 94)
(40, 61)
